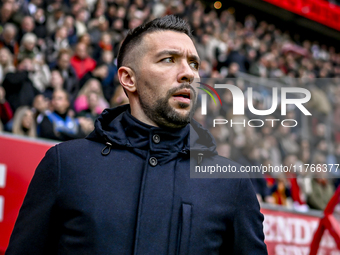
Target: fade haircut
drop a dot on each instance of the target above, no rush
(135, 36)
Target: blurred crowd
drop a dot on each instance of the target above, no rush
(58, 73)
(337, 2)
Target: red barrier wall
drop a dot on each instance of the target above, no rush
(18, 159)
(317, 10)
(291, 233)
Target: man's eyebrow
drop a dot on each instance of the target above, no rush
(177, 53)
(195, 58)
(168, 52)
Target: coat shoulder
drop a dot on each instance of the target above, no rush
(78, 146)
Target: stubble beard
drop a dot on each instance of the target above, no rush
(164, 115)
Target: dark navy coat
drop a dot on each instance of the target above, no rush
(135, 197)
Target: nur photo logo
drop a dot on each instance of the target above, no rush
(301, 97)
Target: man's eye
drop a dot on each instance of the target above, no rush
(194, 65)
(168, 60)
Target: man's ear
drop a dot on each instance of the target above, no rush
(127, 78)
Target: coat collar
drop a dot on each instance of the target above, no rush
(120, 128)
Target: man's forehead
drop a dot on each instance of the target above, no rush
(159, 41)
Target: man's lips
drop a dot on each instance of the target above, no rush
(185, 93)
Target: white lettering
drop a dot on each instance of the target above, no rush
(238, 100)
(238, 97)
(204, 104)
(272, 121)
(289, 120)
(220, 121)
(2, 176)
(282, 249)
(239, 123)
(262, 123)
(262, 112)
(297, 101)
(2, 208)
(2, 185)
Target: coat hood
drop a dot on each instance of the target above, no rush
(118, 127)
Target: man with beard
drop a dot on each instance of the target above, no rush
(126, 188)
(58, 124)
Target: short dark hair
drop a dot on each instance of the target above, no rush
(134, 36)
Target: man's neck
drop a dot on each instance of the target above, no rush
(141, 116)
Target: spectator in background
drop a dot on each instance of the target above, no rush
(88, 116)
(57, 83)
(81, 103)
(28, 47)
(260, 68)
(321, 192)
(233, 70)
(55, 20)
(6, 113)
(337, 152)
(297, 189)
(55, 43)
(8, 39)
(6, 63)
(32, 7)
(40, 25)
(281, 192)
(97, 8)
(119, 97)
(92, 110)
(202, 45)
(68, 73)
(319, 104)
(19, 86)
(40, 109)
(71, 30)
(117, 34)
(111, 12)
(98, 30)
(40, 74)
(205, 69)
(27, 26)
(81, 61)
(87, 125)
(269, 148)
(80, 21)
(251, 157)
(86, 39)
(100, 72)
(104, 44)
(236, 55)
(58, 124)
(110, 82)
(322, 189)
(286, 141)
(6, 13)
(24, 122)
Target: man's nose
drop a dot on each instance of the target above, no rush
(186, 74)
